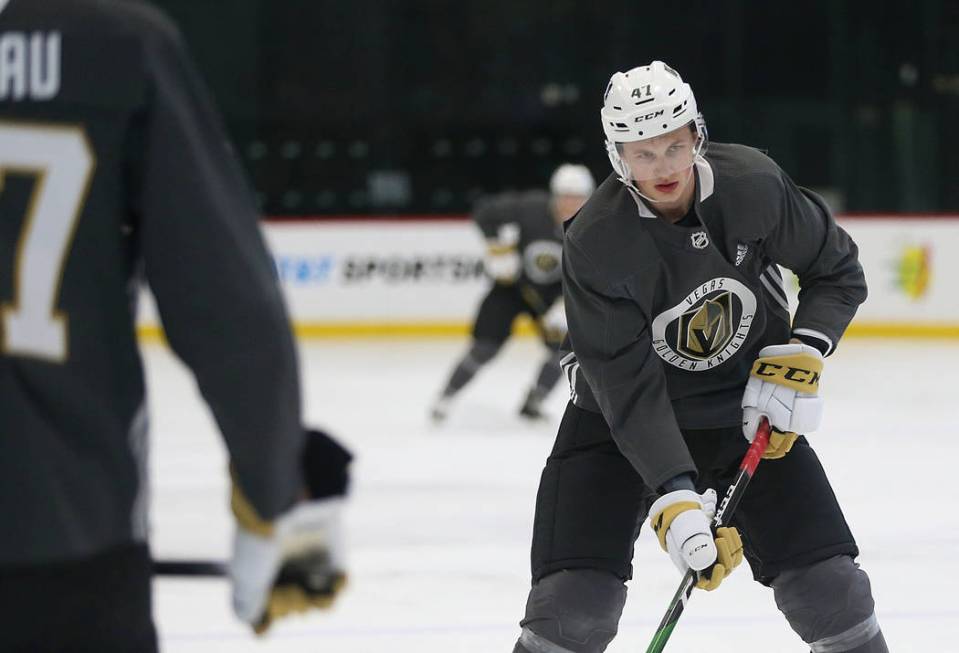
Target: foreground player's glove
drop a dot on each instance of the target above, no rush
(682, 520)
(294, 562)
(783, 386)
(502, 261)
(553, 322)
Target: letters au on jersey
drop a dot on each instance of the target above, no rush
(29, 66)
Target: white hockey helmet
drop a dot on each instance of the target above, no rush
(572, 179)
(646, 102)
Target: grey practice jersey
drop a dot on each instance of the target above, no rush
(528, 217)
(666, 320)
(114, 165)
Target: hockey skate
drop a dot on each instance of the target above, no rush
(532, 408)
(440, 410)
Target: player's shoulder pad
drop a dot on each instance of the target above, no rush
(610, 233)
(731, 161)
(533, 200)
(509, 206)
(816, 199)
(98, 18)
(135, 17)
(490, 208)
(748, 184)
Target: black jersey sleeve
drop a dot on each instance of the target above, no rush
(610, 336)
(216, 289)
(808, 241)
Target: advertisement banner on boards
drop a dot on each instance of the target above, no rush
(403, 275)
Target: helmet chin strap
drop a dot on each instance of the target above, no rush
(635, 187)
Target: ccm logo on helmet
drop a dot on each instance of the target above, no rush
(797, 374)
(654, 114)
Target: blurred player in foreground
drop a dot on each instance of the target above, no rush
(114, 166)
(524, 242)
(681, 341)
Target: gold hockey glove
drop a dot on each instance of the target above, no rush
(295, 562)
(682, 520)
(729, 554)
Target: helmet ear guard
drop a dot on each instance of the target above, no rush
(619, 166)
(700, 124)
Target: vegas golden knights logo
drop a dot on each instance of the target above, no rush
(542, 260)
(547, 262)
(707, 329)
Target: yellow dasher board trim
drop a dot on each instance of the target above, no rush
(903, 330)
(525, 327)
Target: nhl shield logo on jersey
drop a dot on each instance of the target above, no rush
(707, 327)
(699, 239)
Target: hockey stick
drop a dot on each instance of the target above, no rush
(209, 568)
(726, 509)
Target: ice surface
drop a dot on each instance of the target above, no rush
(440, 519)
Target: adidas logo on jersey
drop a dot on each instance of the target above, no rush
(741, 251)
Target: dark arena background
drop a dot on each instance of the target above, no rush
(419, 107)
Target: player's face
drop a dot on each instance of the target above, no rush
(661, 157)
(660, 166)
(566, 206)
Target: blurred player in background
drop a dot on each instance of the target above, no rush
(115, 166)
(524, 242)
(681, 341)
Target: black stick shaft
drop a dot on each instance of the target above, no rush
(207, 568)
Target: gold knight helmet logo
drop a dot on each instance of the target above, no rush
(706, 329)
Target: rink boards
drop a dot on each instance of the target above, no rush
(424, 277)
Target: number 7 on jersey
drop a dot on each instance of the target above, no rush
(62, 162)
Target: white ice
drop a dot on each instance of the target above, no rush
(440, 520)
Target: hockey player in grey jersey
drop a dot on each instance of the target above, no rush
(523, 234)
(114, 166)
(680, 341)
